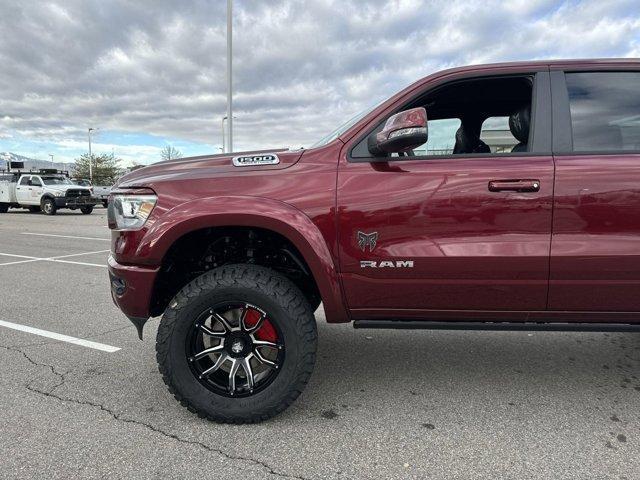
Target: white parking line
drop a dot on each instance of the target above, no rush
(19, 261)
(59, 336)
(78, 254)
(79, 263)
(53, 259)
(19, 256)
(65, 236)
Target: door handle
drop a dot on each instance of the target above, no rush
(514, 186)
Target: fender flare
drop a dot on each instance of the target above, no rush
(45, 196)
(259, 212)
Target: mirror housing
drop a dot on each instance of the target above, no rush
(402, 132)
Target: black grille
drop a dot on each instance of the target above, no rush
(78, 193)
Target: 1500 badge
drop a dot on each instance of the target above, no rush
(251, 160)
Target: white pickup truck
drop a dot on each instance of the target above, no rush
(99, 191)
(43, 190)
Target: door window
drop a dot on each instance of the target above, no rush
(35, 181)
(490, 116)
(442, 137)
(24, 181)
(605, 110)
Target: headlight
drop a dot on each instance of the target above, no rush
(59, 193)
(130, 212)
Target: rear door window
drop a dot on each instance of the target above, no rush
(605, 111)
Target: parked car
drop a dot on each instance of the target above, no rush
(404, 217)
(100, 192)
(43, 190)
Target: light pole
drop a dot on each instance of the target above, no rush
(229, 84)
(51, 155)
(223, 139)
(91, 129)
(223, 145)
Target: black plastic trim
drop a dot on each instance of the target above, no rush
(540, 133)
(561, 116)
(69, 202)
(498, 326)
(138, 322)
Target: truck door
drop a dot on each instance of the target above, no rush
(595, 254)
(23, 191)
(464, 222)
(37, 188)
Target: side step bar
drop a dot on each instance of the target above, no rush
(510, 326)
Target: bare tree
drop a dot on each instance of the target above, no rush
(169, 153)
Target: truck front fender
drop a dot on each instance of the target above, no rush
(268, 214)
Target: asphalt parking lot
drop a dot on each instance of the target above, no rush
(381, 404)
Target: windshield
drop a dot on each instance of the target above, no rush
(56, 181)
(346, 126)
(82, 182)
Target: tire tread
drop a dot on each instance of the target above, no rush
(251, 277)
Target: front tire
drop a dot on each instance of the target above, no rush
(48, 206)
(86, 210)
(216, 307)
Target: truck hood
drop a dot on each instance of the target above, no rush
(64, 188)
(208, 165)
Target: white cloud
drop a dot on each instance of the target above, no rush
(301, 67)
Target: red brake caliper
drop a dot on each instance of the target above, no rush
(266, 332)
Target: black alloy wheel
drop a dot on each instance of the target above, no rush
(234, 350)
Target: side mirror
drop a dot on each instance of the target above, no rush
(402, 132)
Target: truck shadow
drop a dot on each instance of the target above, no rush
(354, 365)
(59, 213)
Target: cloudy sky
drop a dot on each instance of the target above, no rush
(151, 73)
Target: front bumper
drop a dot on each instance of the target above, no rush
(76, 202)
(131, 290)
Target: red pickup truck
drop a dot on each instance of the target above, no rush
(501, 196)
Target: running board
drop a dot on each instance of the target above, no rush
(510, 326)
